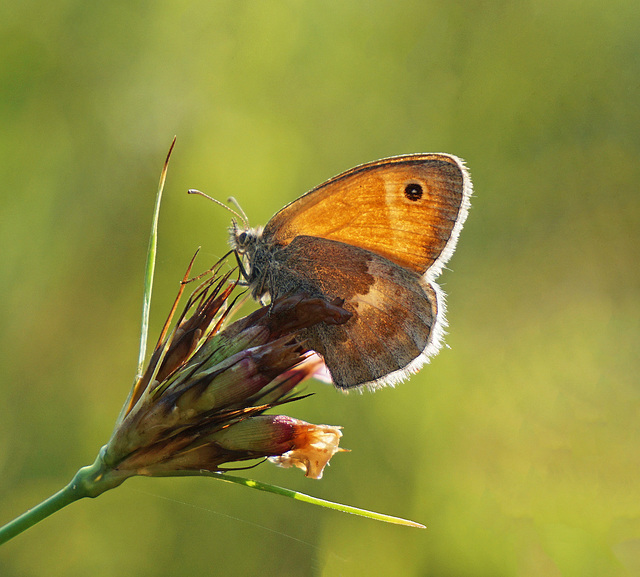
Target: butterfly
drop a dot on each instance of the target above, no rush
(376, 236)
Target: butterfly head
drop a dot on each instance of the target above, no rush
(246, 244)
(244, 239)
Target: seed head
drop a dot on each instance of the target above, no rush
(201, 402)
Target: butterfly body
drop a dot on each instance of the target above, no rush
(376, 237)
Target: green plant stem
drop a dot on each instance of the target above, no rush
(95, 479)
(54, 503)
(89, 481)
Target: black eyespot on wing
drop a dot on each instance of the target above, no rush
(413, 191)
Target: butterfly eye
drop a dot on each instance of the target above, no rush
(242, 238)
(413, 191)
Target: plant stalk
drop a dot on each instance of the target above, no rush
(89, 481)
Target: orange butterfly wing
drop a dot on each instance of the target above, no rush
(409, 209)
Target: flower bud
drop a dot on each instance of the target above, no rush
(202, 399)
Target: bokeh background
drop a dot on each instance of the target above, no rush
(517, 446)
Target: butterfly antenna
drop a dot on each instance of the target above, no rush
(242, 217)
(232, 200)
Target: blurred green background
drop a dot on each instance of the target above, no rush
(517, 446)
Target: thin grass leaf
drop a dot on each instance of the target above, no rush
(316, 501)
(150, 266)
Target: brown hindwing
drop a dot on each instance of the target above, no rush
(395, 311)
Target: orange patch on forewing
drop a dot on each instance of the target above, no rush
(367, 207)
